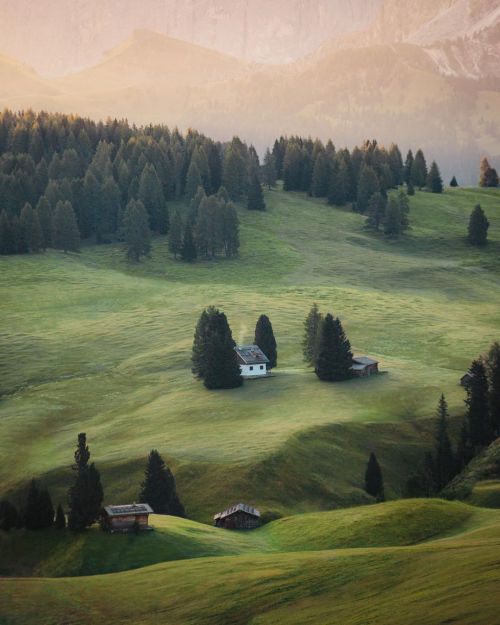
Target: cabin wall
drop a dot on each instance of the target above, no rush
(240, 521)
(253, 371)
(126, 522)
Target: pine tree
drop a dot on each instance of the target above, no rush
(292, 167)
(334, 356)
(38, 511)
(392, 219)
(312, 326)
(376, 211)
(320, 176)
(494, 384)
(408, 167)
(374, 482)
(478, 227)
(234, 171)
(264, 338)
(404, 209)
(9, 517)
(488, 176)
(7, 244)
(198, 357)
(255, 196)
(410, 189)
(337, 183)
(194, 205)
(158, 488)
(44, 212)
(152, 197)
(478, 408)
(270, 174)
(60, 522)
(188, 250)
(193, 181)
(175, 234)
(453, 182)
(368, 184)
(443, 461)
(86, 495)
(65, 233)
(419, 170)
(136, 230)
(434, 181)
(107, 211)
(46, 509)
(31, 231)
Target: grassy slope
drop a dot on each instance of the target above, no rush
(92, 343)
(451, 580)
(55, 554)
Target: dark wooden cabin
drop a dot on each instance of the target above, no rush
(126, 518)
(238, 517)
(466, 380)
(362, 366)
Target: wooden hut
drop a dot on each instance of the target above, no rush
(238, 517)
(362, 366)
(126, 518)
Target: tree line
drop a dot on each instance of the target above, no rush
(86, 494)
(65, 178)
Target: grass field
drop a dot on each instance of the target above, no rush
(419, 562)
(92, 343)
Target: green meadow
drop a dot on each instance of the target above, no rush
(92, 343)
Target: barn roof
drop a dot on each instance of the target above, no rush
(127, 510)
(361, 362)
(239, 507)
(251, 355)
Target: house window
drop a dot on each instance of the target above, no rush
(251, 368)
(262, 367)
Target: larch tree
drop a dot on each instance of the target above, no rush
(478, 227)
(312, 326)
(158, 488)
(136, 230)
(65, 233)
(374, 481)
(264, 338)
(334, 356)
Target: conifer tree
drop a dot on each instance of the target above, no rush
(376, 211)
(374, 482)
(188, 249)
(334, 356)
(292, 167)
(44, 213)
(7, 243)
(453, 182)
(488, 176)
(86, 495)
(198, 357)
(320, 176)
(151, 195)
(312, 326)
(419, 170)
(158, 488)
(234, 171)
(494, 385)
(255, 196)
(392, 219)
(368, 184)
(408, 167)
(32, 235)
(175, 234)
(264, 338)
(337, 182)
(60, 522)
(404, 209)
(478, 407)
(443, 461)
(396, 164)
(193, 181)
(478, 227)
(434, 181)
(65, 233)
(9, 516)
(107, 211)
(270, 174)
(410, 189)
(136, 230)
(38, 511)
(194, 205)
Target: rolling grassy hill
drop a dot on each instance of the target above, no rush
(92, 343)
(450, 579)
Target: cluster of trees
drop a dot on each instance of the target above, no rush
(326, 347)
(76, 179)
(214, 359)
(86, 494)
(212, 228)
(481, 427)
(488, 176)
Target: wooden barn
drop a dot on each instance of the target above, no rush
(362, 366)
(126, 518)
(252, 360)
(238, 517)
(466, 380)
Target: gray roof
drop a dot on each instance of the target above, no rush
(239, 507)
(127, 510)
(360, 362)
(251, 355)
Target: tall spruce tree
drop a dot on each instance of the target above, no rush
(374, 482)
(408, 167)
(453, 182)
(60, 522)
(494, 386)
(38, 511)
(334, 356)
(444, 463)
(434, 181)
(193, 181)
(198, 356)
(368, 184)
(376, 211)
(9, 516)
(478, 227)
(269, 169)
(320, 176)
(264, 338)
(255, 199)
(136, 230)
(175, 234)
(158, 488)
(312, 327)
(44, 212)
(151, 195)
(188, 249)
(65, 233)
(478, 407)
(393, 219)
(419, 170)
(86, 495)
